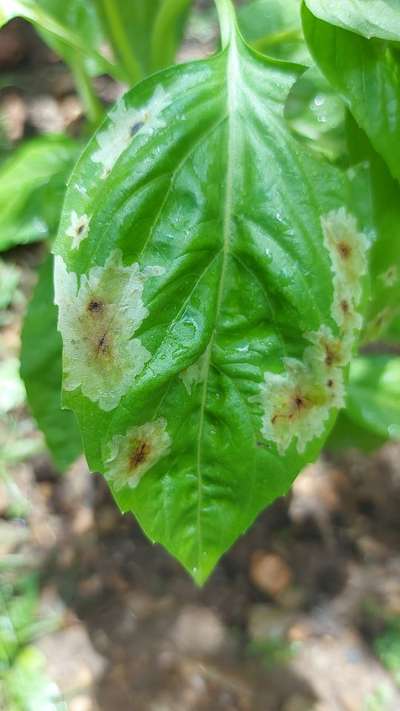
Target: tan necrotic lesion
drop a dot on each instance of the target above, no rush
(125, 123)
(128, 457)
(97, 320)
(298, 402)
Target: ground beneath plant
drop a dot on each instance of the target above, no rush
(288, 620)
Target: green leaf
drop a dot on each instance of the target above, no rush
(317, 114)
(346, 434)
(366, 73)
(32, 187)
(67, 25)
(374, 395)
(209, 276)
(144, 35)
(384, 193)
(274, 28)
(167, 32)
(370, 18)
(41, 370)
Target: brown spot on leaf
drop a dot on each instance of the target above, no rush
(345, 306)
(103, 345)
(95, 306)
(139, 454)
(344, 249)
(136, 128)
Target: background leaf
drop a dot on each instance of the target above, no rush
(366, 73)
(72, 24)
(144, 35)
(317, 114)
(80, 17)
(196, 177)
(41, 371)
(274, 27)
(346, 434)
(32, 187)
(374, 395)
(370, 18)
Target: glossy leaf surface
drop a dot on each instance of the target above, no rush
(209, 280)
(32, 188)
(370, 18)
(366, 73)
(41, 371)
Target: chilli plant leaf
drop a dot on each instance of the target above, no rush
(209, 275)
(32, 187)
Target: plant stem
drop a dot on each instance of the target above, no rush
(227, 20)
(165, 32)
(120, 40)
(92, 105)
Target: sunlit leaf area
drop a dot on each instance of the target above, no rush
(199, 355)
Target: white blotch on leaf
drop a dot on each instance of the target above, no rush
(297, 403)
(126, 122)
(78, 228)
(130, 456)
(348, 250)
(97, 320)
(327, 350)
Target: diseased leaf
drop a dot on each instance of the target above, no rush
(32, 188)
(374, 395)
(274, 27)
(41, 371)
(366, 73)
(370, 18)
(209, 277)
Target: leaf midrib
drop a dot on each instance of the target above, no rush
(233, 79)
